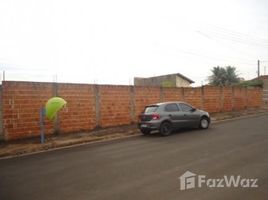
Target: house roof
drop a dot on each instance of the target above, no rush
(184, 77)
(177, 74)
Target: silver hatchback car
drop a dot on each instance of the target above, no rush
(168, 116)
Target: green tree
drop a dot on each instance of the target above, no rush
(223, 76)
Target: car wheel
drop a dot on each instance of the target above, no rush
(165, 128)
(204, 123)
(145, 131)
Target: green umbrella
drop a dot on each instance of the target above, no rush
(53, 105)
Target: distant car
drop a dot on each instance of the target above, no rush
(168, 116)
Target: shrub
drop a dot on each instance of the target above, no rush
(251, 83)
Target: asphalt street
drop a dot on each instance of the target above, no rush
(146, 167)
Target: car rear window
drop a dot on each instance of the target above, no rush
(150, 109)
(171, 107)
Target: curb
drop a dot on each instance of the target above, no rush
(240, 117)
(78, 144)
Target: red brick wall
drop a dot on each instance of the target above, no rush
(89, 106)
(79, 114)
(145, 96)
(240, 98)
(254, 97)
(114, 105)
(21, 105)
(173, 94)
(193, 96)
(212, 99)
(227, 104)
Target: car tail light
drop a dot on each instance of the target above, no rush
(155, 116)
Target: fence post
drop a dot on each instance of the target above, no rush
(42, 125)
(97, 105)
(221, 99)
(132, 104)
(246, 97)
(182, 93)
(56, 122)
(203, 97)
(161, 94)
(233, 98)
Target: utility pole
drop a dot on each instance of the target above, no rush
(258, 68)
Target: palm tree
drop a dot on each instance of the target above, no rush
(223, 76)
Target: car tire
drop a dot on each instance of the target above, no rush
(165, 128)
(145, 131)
(204, 123)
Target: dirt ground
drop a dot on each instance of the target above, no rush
(25, 146)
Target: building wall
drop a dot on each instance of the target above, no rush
(91, 106)
(180, 82)
(171, 80)
(164, 81)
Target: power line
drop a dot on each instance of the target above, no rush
(238, 34)
(222, 33)
(209, 57)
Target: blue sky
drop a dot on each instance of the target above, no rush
(110, 42)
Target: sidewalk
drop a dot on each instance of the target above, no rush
(16, 148)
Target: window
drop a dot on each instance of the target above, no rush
(171, 107)
(150, 109)
(185, 107)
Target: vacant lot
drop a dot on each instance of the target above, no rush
(145, 167)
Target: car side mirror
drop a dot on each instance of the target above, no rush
(193, 109)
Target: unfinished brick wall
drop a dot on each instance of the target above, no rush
(254, 97)
(80, 113)
(91, 106)
(227, 98)
(1, 116)
(114, 105)
(144, 96)
(240, 98)
(212, 99)
(193, 96)
(169, 94)
(21, 102)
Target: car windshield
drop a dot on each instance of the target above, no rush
(150, 109)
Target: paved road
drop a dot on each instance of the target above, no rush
(145, 167)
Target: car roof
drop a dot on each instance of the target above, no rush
(164, 103)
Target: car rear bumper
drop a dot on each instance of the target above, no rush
(149, 125)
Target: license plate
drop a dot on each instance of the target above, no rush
(144, 125)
